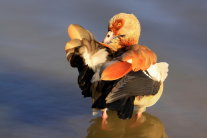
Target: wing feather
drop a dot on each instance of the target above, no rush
(133, 84)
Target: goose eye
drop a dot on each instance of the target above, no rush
(119, 24)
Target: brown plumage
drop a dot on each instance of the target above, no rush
(122, 75)
(124, 31)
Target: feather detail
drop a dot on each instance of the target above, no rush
(93, 60)
(115, 70)
(96, 76)
(158, 71)
(133, 84)
(163, 68)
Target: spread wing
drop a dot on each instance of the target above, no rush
(82, 52)
(133, 84)
(83, 44)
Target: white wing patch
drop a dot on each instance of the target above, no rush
(129, 61)
(158, 71)
(163, 68)
(96, 59)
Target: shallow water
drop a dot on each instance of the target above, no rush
(40, 97)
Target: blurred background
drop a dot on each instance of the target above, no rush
(39, 95)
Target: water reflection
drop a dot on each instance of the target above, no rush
(148, 126)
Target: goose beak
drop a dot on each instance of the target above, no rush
(109, 37)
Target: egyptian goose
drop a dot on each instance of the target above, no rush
(137, 75)
(121, 74)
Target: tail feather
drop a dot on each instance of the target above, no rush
(159, 71)
(163, 68)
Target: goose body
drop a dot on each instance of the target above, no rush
(118, 74)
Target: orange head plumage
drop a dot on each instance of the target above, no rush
(123, 30)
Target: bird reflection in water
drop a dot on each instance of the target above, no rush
(148, 126)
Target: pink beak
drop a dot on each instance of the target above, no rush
(109, 37)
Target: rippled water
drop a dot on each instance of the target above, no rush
(40, 97)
